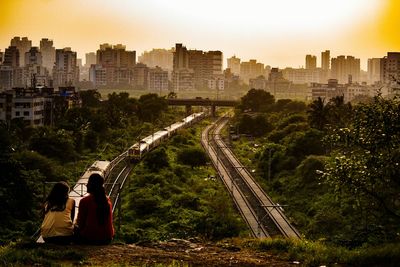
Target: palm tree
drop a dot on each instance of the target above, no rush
(317, 114)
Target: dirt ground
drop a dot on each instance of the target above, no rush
(177, 252)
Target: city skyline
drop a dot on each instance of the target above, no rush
(267, 31)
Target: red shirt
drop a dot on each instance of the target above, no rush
(89, 227)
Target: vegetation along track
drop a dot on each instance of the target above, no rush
(263, 216)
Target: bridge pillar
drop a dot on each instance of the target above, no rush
(213, 111)
(188, 110)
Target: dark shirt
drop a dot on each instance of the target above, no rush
(90, 230)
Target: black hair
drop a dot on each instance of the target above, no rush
(57, 199)
(95, 187)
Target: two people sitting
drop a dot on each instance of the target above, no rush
(94, 224)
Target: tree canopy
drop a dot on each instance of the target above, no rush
(257, 100)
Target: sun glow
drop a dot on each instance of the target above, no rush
(262, 29)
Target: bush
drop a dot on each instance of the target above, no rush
(193, 157)
(156, 159)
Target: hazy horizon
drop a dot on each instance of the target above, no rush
(276, 33)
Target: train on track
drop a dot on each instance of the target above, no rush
(138, 150)
(135, 152)
(79, 190)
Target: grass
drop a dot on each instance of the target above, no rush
(315, 253)
(28, 253)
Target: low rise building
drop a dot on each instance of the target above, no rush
(36, 106)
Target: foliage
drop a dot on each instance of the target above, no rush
(192, 156)
(336, 113)
(90, 98)
(32, 160)
(28, 254)
(119, 107)
(257, 125)
(317, 114)
(156, 159)
(289, 106)
(151, 106)
(177, 200)
(54, 144)
(257, 100)
(309, 253)
(365, 162)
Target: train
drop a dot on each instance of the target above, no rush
(135, 152)
(79, 190)
(138, 150)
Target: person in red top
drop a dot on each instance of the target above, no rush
(95, 220)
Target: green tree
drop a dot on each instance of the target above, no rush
(118, 108)
(257, 100)
(257, 125)
(90, 98)
(151, 106)
(156, 159)
(193, 157)
(365, 164)
(54, 144)
(317, 114)
(339, 112)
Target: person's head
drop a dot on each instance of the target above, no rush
(57, 199)
(95, 187)
(95, 183)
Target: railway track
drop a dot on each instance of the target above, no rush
(116, 179)
(262, 215)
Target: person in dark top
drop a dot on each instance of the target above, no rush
(95, 220)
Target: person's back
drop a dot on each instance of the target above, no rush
(95, 225)
(91, 230)
(59, 210)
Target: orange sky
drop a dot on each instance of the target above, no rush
(278, 33)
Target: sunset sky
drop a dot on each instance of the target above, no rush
(277, 33)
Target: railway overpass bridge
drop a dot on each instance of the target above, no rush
(205, 102)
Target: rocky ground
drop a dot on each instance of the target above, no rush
(177, 252)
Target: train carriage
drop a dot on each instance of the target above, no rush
(137, 151)
(79, 190)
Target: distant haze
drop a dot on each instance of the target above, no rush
(277, 33)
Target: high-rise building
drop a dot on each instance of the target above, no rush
(1, 57)
(11, 57)
(325, 60)
(304, 76)
(115, 56)
(234, 65)
(250, 70)
(114, 65)
(158, 80)
(374, 70)
(65, 71)
(34, 73)
(311, 62)
(162, 58)
(206, 65)
(183, 79)
(345, 69)
(90, 59)
(140, 76)
(196, 64)
(390, 68)
(48, 53)
(6, 77)
(33, 57)
(23, 45)
(181, 58)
